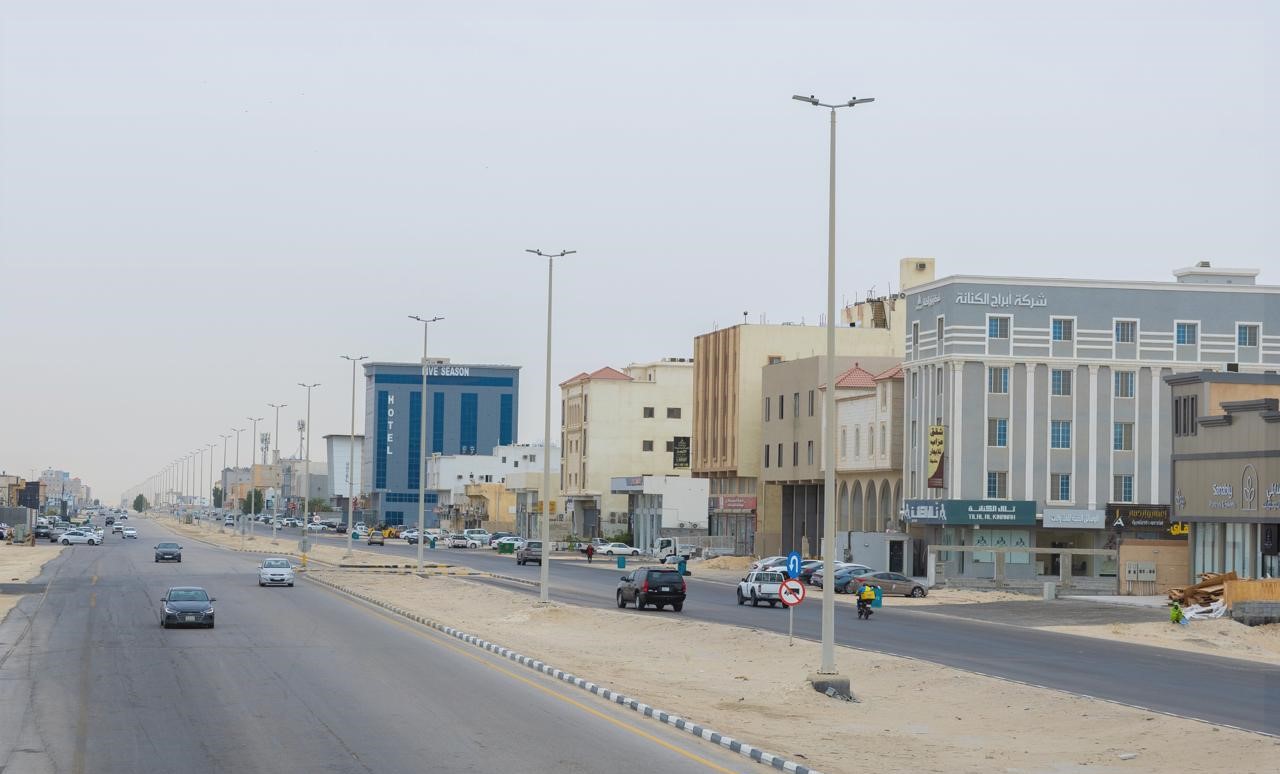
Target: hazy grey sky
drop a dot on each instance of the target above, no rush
(203, 203)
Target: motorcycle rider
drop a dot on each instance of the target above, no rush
(866, 595)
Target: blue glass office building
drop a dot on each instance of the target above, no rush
(470, 410)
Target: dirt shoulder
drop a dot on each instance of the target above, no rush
(1221, 637)
(912, 715)
(21, 563)
(261, 544)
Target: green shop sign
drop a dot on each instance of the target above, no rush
(971, 512)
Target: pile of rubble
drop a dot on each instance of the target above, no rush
(1206, 592)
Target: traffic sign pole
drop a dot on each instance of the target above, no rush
(791, 593)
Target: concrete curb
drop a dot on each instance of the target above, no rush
(715, 737)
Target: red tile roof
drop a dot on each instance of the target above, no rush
(855, 377)
(892, 373)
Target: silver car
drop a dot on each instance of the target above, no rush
(275, 571)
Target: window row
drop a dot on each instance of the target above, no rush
(778, 461)
(648, 446)
(1060, 381)
(1126, 331)
(673, 412)
(1059, 434)
(857, 441)
(782, 406)
(1059, 487)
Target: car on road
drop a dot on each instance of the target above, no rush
(463, 541)
(110, 520)
(892, 583)
(817, 577)
(317, 527)
(515, 541)
(117, 527)
(410, 535)
(657, 586)
(130, 532)
(761, 586)
(495, 537)
(611, 549)
(229, 521)
(80, 536)
(275, 571)
(375, 538)
(187, 606)
(42, 531)
(530, 551)
(168, 552)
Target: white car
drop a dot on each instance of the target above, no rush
(74, 536)
(514, 541)
(130, 532)
(462, 541)
(767, 562)
(609, 549)
(275, 571)
(410, 534)
(761, 586)
(117, 527)
(229, 521)
(317, 527)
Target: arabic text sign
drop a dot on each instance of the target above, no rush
(937, 447)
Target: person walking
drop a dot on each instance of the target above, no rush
(591, 552)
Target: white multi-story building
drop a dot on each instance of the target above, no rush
(340, 468)
(634, 422)
(448, 476)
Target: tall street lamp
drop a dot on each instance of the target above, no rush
(351, 459)
(306, 463)
(544, 574)
(422, 439)
(238, 431)
(253, 500)
(828, 675)
(223, 478)
(275, 510)
(211, 447)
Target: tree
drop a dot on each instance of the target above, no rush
(217, 497)
(320, 505)
(140, 504)
(253, 503)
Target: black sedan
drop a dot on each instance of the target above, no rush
(187, 606)
(168, 552)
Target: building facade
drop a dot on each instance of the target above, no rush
(637, 421)
(1225, 431)
(343, 465)
(662, 506)
(462, 489)
(469, 408)
(1039, 402)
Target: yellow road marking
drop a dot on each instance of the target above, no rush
(554, 694)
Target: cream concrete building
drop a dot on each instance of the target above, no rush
(728, 404)
(634, 422)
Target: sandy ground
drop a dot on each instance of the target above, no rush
(911, 716)
(1221, 637)
(19, 564)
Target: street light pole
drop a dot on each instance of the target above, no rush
(275, 510)
(238, 431)
(544, 567)
(209, 489)
(422, 439)
(306, 463)
(828, 666)
(222, 480)
(351, 451)
(253, 499)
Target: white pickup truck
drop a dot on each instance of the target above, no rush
(761, 586)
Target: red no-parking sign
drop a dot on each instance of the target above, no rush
(791, 593)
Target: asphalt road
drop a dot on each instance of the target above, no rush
(1233, 692)
(292, 679)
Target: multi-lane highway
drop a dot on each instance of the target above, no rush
(292, 679)
(1219, 690)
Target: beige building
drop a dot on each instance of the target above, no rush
(728, 397)
(634, 422)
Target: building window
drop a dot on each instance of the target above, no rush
(1122, 488)
(998, 380)
(767, 402)
(1126, 331)
(1186, 333)
(646, 446)
(998, 432)
(1247, 335)
(1060, 487)
(795, 405)
(871, 441)
(1060, 434)
(997, 484)
(940, 334)
(939, 381)
(766, 456)
(997, 327)
(1061, 381)
(915, 339)
(810, 402)
(809, 452)
(857, 442)
(673, 412)
(1124, 384)
(671, 446)
(648, 412)
(844, 443)
(884, 439)
(1184, 415)
(779, 455)
(1063, 329)
(782, 408)
(795, 454)
(775, 359)
(1122, 436)
(914, 392)
(913, 434)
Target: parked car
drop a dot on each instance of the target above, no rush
(375, 538)
(81, 536)
(597, 543)
(893, 583)
(317, 527)
(168, 552)
(410, 535)
(767, 562)
(515, 541)
(42, 531)
(807, 568)
(611, 549)
(529, 551)
(816, 577)
(481, 536)
(761, 586)
(495, 537)
(130, 532)
(187, 606)
(657, 586)
(462, 541)
(275, 571)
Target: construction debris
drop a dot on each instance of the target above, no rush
(1208, 591)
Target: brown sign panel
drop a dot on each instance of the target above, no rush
(1132, 517)
(937, 449)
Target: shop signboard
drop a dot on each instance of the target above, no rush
(1069, 518)
(680, 451)
(1127, 517)
(731, 503)
(937, 448)
(968, 513)
(624, 484)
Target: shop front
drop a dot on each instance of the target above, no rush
(1070, 528)
(1152, 546)
(734, 516)
(974, 528)
(1233, 509)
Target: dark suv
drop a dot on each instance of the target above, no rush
(657, 586)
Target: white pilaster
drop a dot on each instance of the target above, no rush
(1029, 433)
(956, 420)
(1154, 413)
(1093, 437)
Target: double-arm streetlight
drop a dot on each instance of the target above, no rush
(422, 439)
(306, 464)
(828, 666)
(253, 498)
(351, 460)
(544, 573)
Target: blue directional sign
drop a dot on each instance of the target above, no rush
(793, 564)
